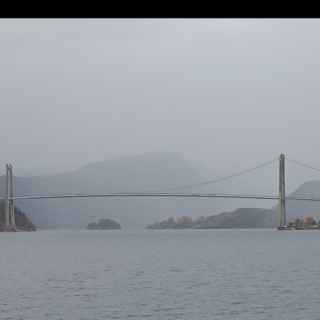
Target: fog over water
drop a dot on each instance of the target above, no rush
(225, 93)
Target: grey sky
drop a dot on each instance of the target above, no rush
(228, 94)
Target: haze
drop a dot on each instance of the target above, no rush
(227, 94)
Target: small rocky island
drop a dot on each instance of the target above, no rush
(104, 224)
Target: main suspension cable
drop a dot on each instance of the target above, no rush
(207, 182)
(301, 164)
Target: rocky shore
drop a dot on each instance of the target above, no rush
(240, 218)
(23, 223)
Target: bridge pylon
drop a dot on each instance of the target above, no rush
(12, 212)
(9, 215)
(282, 192)
(6, 204)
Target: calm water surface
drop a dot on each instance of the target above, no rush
(149, 274)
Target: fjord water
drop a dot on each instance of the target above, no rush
(149, 274)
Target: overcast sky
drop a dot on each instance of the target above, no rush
(227, 94)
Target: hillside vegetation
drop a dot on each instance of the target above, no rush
(22, 221)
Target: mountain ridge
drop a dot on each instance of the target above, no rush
(136, 173)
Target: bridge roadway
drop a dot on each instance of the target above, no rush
(159, 194)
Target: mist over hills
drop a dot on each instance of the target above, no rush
(145, 172)
(150, 171)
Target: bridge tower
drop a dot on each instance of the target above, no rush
(10, 221)
(282, 191)
(12, 213)
(7, 204)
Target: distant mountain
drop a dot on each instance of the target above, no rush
(240, 218)
(150, 171)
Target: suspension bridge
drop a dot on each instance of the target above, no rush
(281, 197)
